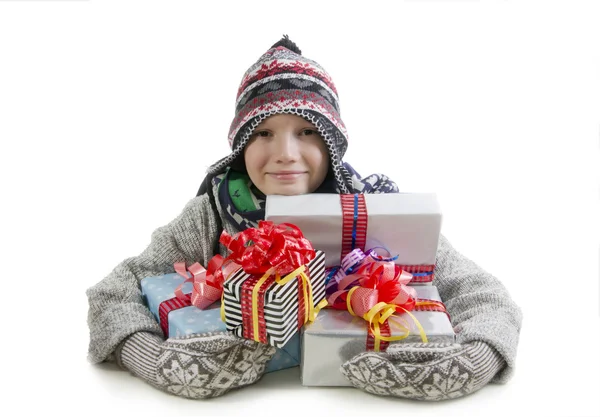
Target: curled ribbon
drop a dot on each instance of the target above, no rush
(207, 284)
(375, 290)
(381, 280)
(258, 250)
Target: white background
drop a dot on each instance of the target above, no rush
(110, 112)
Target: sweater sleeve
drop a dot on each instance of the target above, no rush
(116, 309)
(479, 305)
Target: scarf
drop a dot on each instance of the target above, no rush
(244, 204)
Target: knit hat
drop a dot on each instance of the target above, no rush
(284, 81)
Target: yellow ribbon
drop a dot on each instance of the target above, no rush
(223, 308)
(379, 313)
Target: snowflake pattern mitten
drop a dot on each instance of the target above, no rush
(198, 366)
(424, 371)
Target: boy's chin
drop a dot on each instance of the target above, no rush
(292, 189)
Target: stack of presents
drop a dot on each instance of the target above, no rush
(323, 278)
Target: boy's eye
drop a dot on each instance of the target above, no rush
(266, 133)
(309, 132)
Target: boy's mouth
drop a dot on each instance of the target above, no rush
(286, 175)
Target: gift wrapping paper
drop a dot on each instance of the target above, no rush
(337, 336)
(281, 308)
(191, 320)
(408, 225)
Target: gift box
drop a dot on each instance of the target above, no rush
(407, 225)
(336, 336)
(272, 310)
(186, 320)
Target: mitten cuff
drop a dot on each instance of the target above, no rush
(139, 353)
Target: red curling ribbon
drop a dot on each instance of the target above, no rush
(282, 247)
(379, 281)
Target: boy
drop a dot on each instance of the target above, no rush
(287, 138)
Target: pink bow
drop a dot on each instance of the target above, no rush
(207, 285)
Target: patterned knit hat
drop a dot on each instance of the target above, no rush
(284, 81)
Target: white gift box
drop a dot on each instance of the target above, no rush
(336, 336)
(408, 225)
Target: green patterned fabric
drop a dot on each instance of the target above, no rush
(242, 196)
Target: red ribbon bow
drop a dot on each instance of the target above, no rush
(281, 247)
(377, 281)
(207, 284)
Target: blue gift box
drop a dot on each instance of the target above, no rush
(192, 320)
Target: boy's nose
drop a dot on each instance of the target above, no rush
(287, 148)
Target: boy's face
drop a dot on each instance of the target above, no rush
(286, 156)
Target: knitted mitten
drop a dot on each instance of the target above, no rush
(424, 371)
(201, 366)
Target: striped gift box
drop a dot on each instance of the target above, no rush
(281, 308)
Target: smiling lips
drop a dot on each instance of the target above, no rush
(286, 175)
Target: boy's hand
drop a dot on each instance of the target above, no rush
(196, 367)
(424, 371)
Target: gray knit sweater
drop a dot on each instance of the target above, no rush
(480, 306)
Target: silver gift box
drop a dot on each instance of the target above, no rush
(337, 336)
(407, 224)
